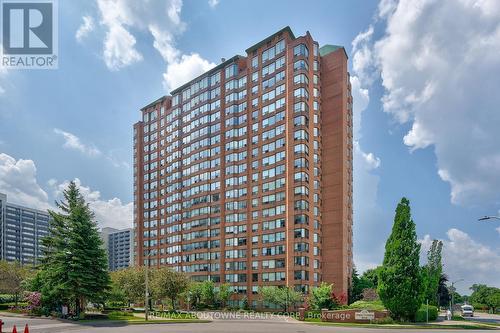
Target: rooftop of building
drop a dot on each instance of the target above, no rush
(31, 209)
(324, 50)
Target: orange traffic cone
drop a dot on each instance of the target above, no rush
(26, 329)
(14, 330)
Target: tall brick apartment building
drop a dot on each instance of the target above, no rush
(244, 174)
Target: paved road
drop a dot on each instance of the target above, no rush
(485, 317)
(217, 326)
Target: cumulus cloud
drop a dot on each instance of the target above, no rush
(438, 63)
(73, 142)
(108, 213)
(18, 181)
(184, 69)
(85, 28)
(468, 259)
(161, 19)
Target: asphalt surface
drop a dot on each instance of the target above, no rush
(219, 325)
(485, 318)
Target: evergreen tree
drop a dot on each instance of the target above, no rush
(74, 270)
(400, 280)
(372, 276)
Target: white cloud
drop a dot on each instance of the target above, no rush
(71, 141)
(85, 28)
(108, 213)
(213, 3)
(368, 160)
(184, 69)
(18, 181)
(438, 63)
(466, 258)
(162, 19)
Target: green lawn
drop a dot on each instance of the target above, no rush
(131, 318)
(317, 321)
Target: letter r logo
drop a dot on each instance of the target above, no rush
(27, 27)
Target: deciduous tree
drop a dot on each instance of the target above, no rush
(167, 283)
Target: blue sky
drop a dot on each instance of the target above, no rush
(426, 107)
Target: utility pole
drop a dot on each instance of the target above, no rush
(427, 312)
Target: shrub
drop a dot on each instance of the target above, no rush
(479, 306)
(421, 315)
(93, 316)
(383, 321)
(368, 305)
(120, 314)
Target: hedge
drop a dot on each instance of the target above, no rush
(421, 315)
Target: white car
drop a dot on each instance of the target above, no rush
(467, 310)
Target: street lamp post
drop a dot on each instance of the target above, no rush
(453, 294)
(485, 218)
(146, 284)
(146, 305)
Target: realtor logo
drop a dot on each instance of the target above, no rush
(29, 34)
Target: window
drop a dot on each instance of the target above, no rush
(301, 247)
(300, 50)
(255, 76)
(301, 233)
(231, 70)
(301, 93)
(301, 135)
(301, 163)
(301, 219)
(301, 275)
(301, 190)
(215, 79)
(301, 177)
(301, 205)
(300, 79)
(273, 51)
(301, 149)
(255, 62)
(300, 121)
(300, 107)
(300, 65)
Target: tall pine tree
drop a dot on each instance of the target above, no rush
(74, 270)
(400, 279)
